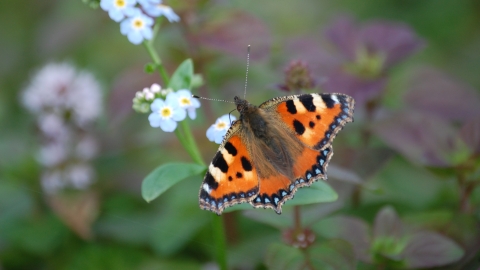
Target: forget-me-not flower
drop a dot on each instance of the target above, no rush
(138, 27)
(187, 102)
(118, 9)
(217, 131)
(166, 113)
(157, 10)
(145, 3)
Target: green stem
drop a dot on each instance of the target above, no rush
(188, 142)
(157, 61)
(220, 241)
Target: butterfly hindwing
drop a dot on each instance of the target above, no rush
(231, 177)
(314, 118)
(309, 167)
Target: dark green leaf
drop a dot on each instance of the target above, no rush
(335, 254)
(280, 256)
(182, 77)
(167, 175)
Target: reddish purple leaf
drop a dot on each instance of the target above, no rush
(430, 249)
(395, 41)
(435, 92)
(424, 139)
(387, 224)
(233, 32)
(361, 89)
(470, 134)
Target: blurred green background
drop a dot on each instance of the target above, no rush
(172, 232)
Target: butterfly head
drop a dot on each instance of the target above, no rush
(242, 104)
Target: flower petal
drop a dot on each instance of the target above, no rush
(179, 114)
(211, 133)
(155, 119)
(192, 113)
(168, 125)
(157, 104)
(135, 37)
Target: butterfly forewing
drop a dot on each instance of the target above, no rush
(315, 118)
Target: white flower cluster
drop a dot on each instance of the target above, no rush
(65, 102)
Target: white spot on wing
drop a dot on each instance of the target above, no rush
(228, 158)
(334, 98)
(318, 102)
(207, 188)
(217, 174)
(299, 106)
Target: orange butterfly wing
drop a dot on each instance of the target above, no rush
(315, 118)
(231, 177)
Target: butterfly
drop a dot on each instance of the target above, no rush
(274, 149)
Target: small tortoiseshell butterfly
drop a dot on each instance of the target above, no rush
(274, 149)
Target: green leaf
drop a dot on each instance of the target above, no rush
(334, 254)
(182, 77)
(280, 256)
(167, 175)
(318, 192)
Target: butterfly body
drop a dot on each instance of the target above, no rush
(273, 149)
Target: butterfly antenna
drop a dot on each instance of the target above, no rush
(230, 119)
(246, 75)
(212, 99)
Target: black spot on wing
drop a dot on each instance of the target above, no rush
(239, 175)
(291, 107)
(299, 127)
(311, 124)
(210, 181)
(247, 166)
(307, 101)
(329, 102)
(318, 116)
(219, 162)
(230, 178)
(231, 149)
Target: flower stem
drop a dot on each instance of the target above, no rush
(220, 241)
(188, 142)
(157, 61)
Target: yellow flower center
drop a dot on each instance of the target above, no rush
(185, 101)
(221, 125)
(166, 112)
(137, 23)
(120, 3)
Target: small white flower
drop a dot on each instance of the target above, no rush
(217, 131)
(80, 176)
(52, 154)
(60, 88)
(155, 88)
(148, 94)
(166, 114)
(139, 94)
(186, 102)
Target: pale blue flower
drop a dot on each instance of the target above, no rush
(157, 10)
(118, 9)
(187, 102)
(166, 113)
(217, 131)
(138, 27)
(145, 3)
